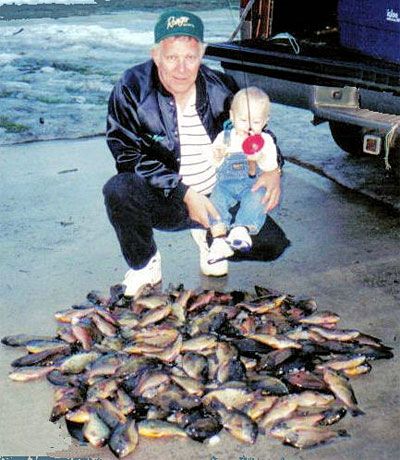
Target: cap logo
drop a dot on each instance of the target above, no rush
(182, 21)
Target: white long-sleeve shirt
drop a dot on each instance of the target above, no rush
(266, 158)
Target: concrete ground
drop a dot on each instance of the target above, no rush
(56, 245)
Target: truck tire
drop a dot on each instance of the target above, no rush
(348, 137)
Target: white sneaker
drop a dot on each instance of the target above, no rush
(219, 268)
(136, 279)
(219, 250)
(239, 239)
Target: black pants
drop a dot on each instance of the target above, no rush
(135, 209)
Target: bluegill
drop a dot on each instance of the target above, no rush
(37, 346)
(29, 373)
(239, 425)
(65, 399)
(341, 388)
(20, 340)
(275, 341)
(283, 408)
(124, 439)
(76, 363)
(95, 430)
(304, 438)
(160, 429)
(46, 357)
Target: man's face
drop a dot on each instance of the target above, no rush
(178, 60)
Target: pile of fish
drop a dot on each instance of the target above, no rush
(188, 364)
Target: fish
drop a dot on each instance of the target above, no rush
(105, 365)
(76, 363)
(283, 408)
(95, 431)
(102, 389)
(109, 343)
(200, 343)
(133, 365)
(124, 402)
(342, 335)
(364, 368)
(152, 301)
(195, 366)
(341, 388)
(159, 336)
(305, 379)
(110, 413)
(160, 429)
(104, 326)
(65, 399)
(267, 384)
(153, 316)
(283, 428)
(203, 428)
(80, 414)
(150, 380)
(343, 363)
(107, 315)
(200, 301)
(173, 399)
(274, 358)
(305, 333)
(37, 346)
(258, 308)
(230, 397)
(124, 439)
(275, 341)
(333, 415)
(65, 333)
(29, 373)
(70, 314)
(312, 399)
(188, 364)
(169, 353)
(239, 425)
(20, 340)
(320, 318)
(231, 370)
(43, 358)
(55, 377)
(304, 438)
(82, 332)
(259, 406)
(190, 385)
(127, 319)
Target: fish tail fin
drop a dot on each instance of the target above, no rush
(356, 412)
(343, 434)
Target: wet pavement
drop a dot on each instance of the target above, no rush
(56, 245)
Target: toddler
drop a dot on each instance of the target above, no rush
(238, 172)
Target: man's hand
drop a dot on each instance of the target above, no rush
(271, 180)
(199, 208)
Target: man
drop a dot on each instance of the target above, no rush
(162, 118)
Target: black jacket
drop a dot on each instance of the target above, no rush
(142, 130)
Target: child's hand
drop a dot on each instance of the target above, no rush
(219, 152)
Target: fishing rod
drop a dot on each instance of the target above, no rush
(254, 142)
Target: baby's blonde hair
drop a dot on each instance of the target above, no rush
(251, 96)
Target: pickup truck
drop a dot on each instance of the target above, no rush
(340, 59)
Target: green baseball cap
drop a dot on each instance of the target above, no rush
(178, 22)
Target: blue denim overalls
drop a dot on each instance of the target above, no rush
(233, 186)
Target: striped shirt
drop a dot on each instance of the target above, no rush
(195, 169)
